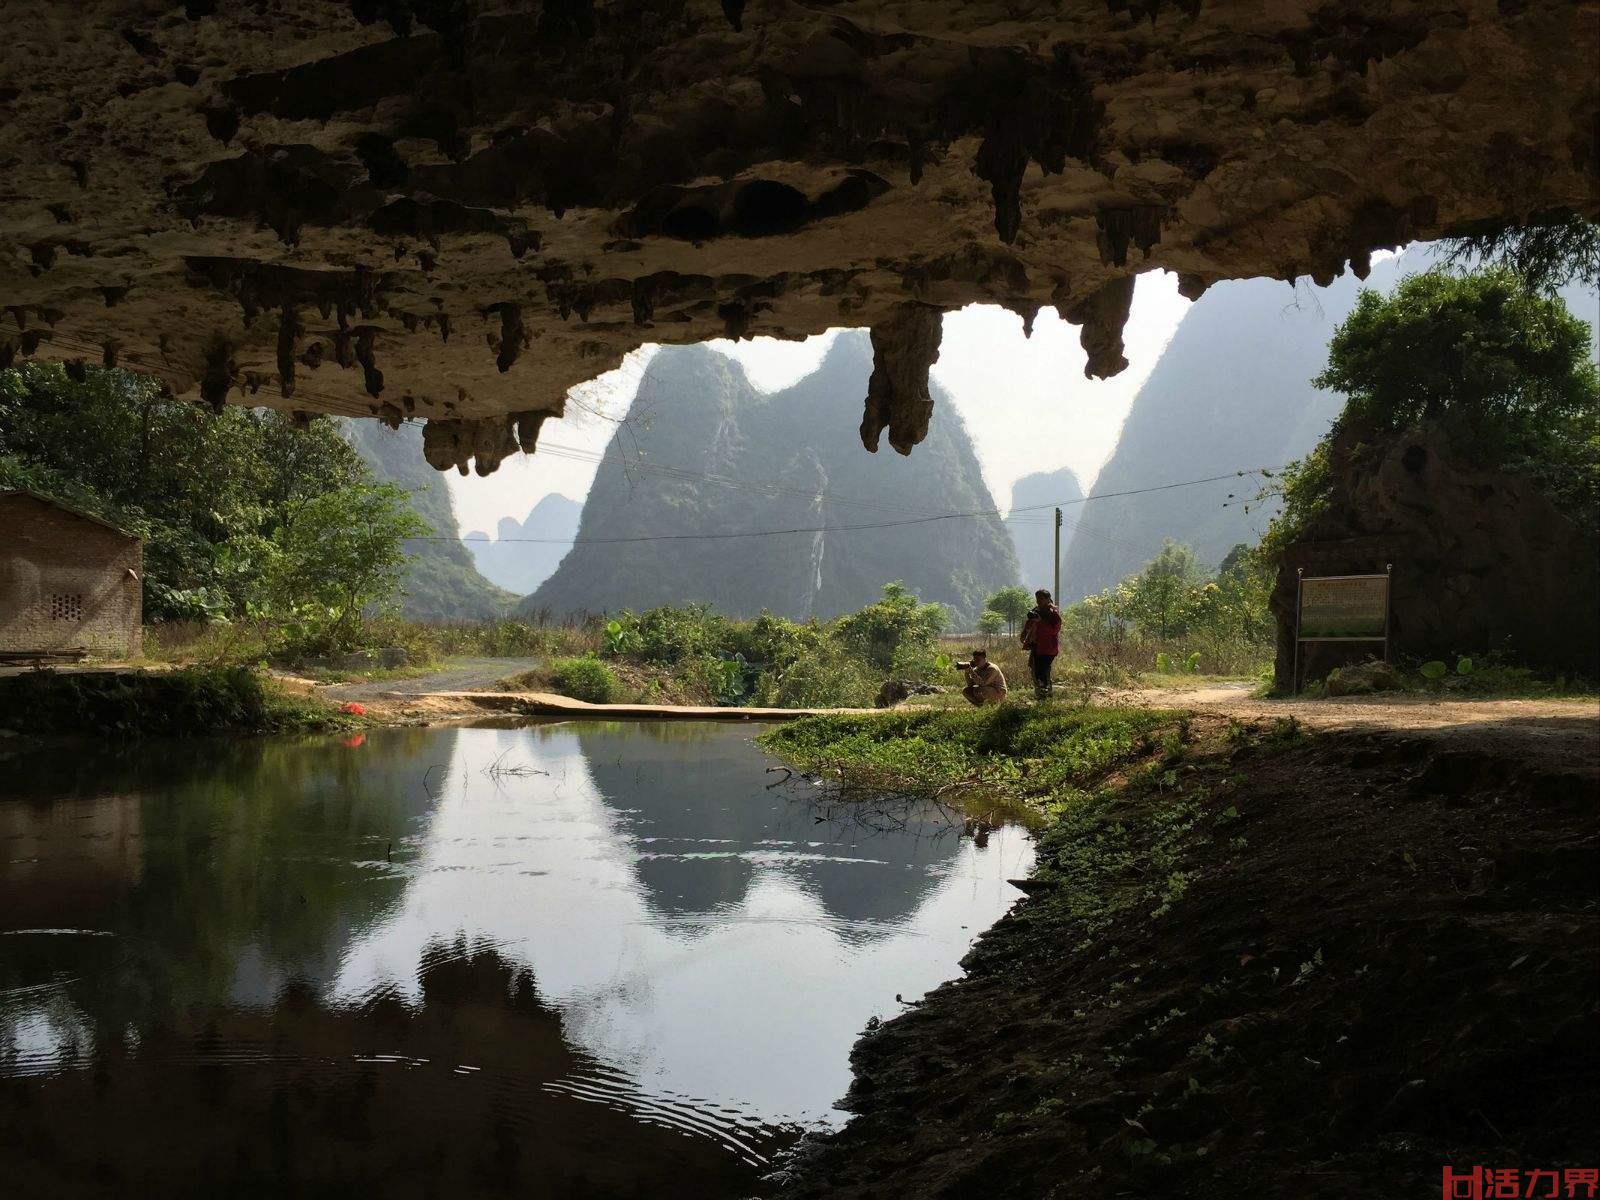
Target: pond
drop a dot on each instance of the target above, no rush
(566, 960)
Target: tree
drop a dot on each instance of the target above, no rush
(1235, 603)
(1545, 254)
(1163, 591)
(1481, 350)
(1506, 372)
(341, 556)
(1012, 603)
(990, 623)
(208, 492)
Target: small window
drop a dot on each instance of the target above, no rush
(66, 606)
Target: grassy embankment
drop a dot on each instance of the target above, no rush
(1072, 766)
(185, 702)
(1246, 954)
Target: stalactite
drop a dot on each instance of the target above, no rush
(288, 332)
(903, 349)
(372, 377)
(1102, 314)
(217, 377)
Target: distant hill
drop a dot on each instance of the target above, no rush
(1031, 528)
(441, 583)
(796, 462)
(1232, 390)
(523, 554)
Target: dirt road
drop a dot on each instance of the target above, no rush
(460, 675)
(1558, 734)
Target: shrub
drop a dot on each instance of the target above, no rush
(877, 632)
(778, 641)
(585, 679)
(826, 679)
(669, 635)
(718, 680)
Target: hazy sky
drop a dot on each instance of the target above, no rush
(1025, 401)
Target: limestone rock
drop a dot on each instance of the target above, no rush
(1482, 560)
(1362, 679)
(479, 201)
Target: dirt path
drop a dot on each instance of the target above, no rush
(460, 675)
(1557, 734)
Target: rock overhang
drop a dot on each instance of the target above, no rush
(456, 210)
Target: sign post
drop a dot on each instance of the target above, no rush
(1340, 608)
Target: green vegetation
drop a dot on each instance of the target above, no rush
(897, 634)
(585, 679)
(1121, 813)
(1544, 253)
(340, 557)
(693, 655)
(193, 700)
(1012, 603)
(1504, 370)
(440, 581)
(245, 515)
(1039, 755)
(1176, 617)
(423, 642)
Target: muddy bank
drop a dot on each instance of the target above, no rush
(1264, 965)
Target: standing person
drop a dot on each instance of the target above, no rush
(986, 683)
(1041, 634)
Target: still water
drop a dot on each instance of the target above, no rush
(566, 960)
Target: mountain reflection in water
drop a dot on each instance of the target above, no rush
(566, 960)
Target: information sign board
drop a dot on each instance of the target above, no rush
(1337, 607)
(1340, 608)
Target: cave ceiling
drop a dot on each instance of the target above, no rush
(456, 210)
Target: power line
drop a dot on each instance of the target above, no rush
(689, 537)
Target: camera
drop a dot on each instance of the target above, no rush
(963, 666)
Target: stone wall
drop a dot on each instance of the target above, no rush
(1483, 561)
(67, 581)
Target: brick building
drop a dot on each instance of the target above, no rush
(68, 581)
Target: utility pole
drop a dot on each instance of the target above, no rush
(1056, 595)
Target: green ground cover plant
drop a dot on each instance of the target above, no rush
(1045, 756)
(184, 702)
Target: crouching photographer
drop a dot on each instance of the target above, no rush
(986, 683)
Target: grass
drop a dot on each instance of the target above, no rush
(1122, 805)
(1129, 803)
(1039, 755)
(188, 701)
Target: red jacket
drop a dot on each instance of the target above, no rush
(1042, 631)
